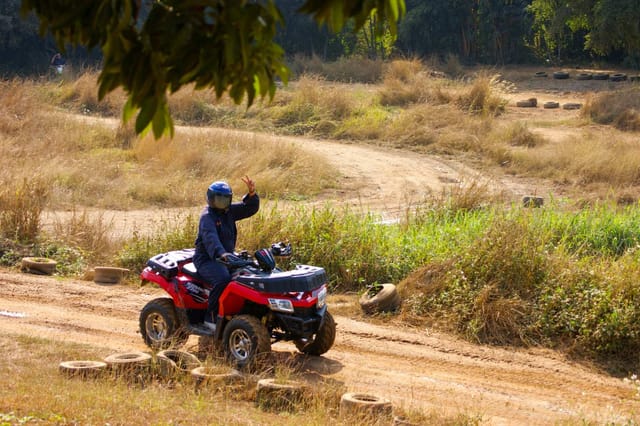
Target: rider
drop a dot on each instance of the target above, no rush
(217, 234)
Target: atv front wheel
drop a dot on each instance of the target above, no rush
(244, 338)
(159, 325)
(323, 339)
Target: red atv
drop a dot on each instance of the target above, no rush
(261, 305)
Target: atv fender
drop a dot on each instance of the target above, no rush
(170, 286)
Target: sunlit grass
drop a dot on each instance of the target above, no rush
(25, 398)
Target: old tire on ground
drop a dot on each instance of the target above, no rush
(244, 339)
(584, 76)
(561, 75)
(108, 274)
(529, 103)
(601, 76)
(570, 106)
(171, 361)
(129, 364)
(322, 341)
(551, 105)
(83, 369)
(215, 376)
(38, 265)
(280, 395)
(364, 407)
(159, 325)
(385, 300)
(618, 77)
(540, 74)
(532, 201)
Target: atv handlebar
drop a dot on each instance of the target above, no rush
(234, 261)
(242, 259)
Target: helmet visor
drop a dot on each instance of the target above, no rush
(219, 201)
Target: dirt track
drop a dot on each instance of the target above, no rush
(413, 368)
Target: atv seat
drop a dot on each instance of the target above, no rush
(190, 269)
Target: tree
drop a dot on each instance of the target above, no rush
(604, 26)
(20, 46)
(152, 47)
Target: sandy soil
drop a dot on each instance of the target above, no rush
(414, 368)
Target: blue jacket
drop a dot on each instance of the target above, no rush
(217, 231)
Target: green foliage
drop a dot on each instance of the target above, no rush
(547, 277)
(335, 13)
(71, 260)
(170, 234)
(604, 26)
(157, 47)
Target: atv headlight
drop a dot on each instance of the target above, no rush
(322, 297)
(281, 305)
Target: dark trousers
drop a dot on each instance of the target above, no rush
(218, 276)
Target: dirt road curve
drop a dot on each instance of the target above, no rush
(413, 368)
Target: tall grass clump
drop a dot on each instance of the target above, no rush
(81, 94)
(485, 291)
(168, 234)
(314, 106)
(357, 249)
(408, 81)
(591, 159)
(20, 107)
(602, 230)
(553, 278)
(20, 209)
(90, 235)
(353, 69)
(482, 98)
(620, 109)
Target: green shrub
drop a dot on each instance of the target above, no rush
(538, 278)
(169, 234)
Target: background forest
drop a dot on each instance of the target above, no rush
(475, 31)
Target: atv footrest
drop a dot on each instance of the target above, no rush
(200, 330)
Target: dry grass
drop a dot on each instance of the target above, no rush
(89, 162)
(26, 398)
(594, 158)
(620, 109)
(481, 96)
(20, 209)
(353, 69)
(409, 81)
(91, 234)
(414, 107)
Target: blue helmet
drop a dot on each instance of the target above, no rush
(219, 195)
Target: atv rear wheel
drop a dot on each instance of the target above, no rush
(159, 325)
(323, 339)
(244, 338)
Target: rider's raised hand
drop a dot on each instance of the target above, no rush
(251, 185)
